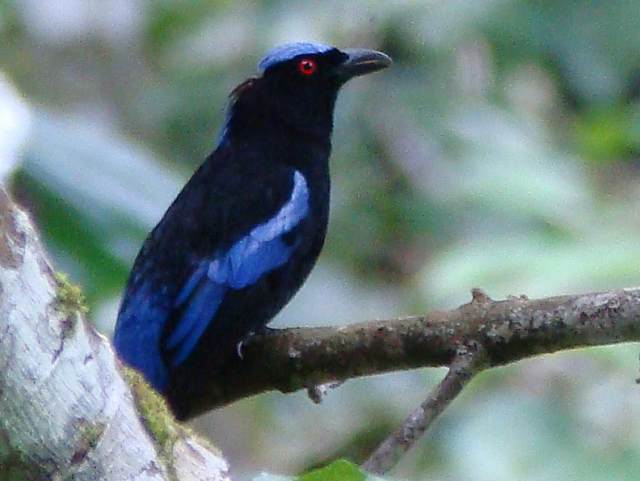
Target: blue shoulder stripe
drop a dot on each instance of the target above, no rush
(259, 252)
(289, 215)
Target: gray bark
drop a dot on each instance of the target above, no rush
(66, 410)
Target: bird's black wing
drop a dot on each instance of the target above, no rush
(237, 240)
(253, 255)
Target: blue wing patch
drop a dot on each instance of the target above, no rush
(140, 324)
(260, 251)
(286, 52)
(194, 320)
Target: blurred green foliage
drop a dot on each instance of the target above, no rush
(501, 151)
(338, 470)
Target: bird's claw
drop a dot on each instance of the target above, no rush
(239, 349)
(260, 331)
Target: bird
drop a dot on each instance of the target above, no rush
(244, 233)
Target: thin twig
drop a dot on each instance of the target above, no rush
(466, 364)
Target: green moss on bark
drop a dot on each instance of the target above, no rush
(69, 296)
(155, 416)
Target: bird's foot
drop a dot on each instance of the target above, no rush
(239, 349)
(260, 331)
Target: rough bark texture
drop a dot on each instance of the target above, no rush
(66, 411)
(509, 330)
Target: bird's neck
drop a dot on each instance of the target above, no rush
(305, 147)
(254, 115)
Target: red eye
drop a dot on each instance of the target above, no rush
(307, 66)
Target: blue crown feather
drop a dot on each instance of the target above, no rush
(286, 52)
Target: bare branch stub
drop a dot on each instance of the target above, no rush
(479, 296)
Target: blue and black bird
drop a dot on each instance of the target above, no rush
(246, 230)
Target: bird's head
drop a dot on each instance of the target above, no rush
(299, 83)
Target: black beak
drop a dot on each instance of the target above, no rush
(361, 62)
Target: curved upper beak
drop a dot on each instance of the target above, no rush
(361, 62)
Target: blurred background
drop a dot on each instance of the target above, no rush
(502, 150)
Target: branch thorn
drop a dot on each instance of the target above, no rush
(478, 296)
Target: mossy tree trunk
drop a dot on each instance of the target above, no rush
(66, 408)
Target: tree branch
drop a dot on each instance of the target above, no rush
(465, 365)
(291, 359)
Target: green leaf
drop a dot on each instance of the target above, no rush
(338, 470)
(605, 134)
